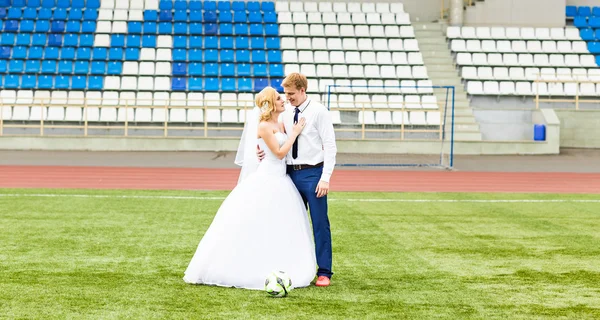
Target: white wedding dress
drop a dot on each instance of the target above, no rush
(262, 226)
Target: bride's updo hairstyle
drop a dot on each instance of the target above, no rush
(265, 100)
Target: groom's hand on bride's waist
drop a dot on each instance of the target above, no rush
(260, 154)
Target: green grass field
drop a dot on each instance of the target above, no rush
(114, 257)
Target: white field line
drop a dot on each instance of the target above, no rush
(49, 195)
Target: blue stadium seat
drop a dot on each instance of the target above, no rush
(90, 27)
(74, 26)
(179, 55)
(241, 42)
(195, 28)
(241, 28)
(580, 22)
(274, 56)
(210, 16)
(253, 6)
(596, 11)
(228, 84)
(71, 40)
(133, 27)
(19, 52)
(226, 42)
(165, 28)
(257, 43)
(210, 28)
(90, 15)
(96, 83)
(23, 39)
(165, 5)
(3, 13)
(594, 22)
(84, 53)
(12, 81)
(29, 13)
(59, 14)
(132, 54)
(26, 26)
(42, 26)
(276, 84)
(98, 67)
(242, 56)
(195, 83)
(587, 34)
(14, 13)
(180, 5)
(33, 66)
(134, 41)
(11, 25)
(225, 29)
(114, 67)
(150, 15)
(196, 69)
(243, 69)
(255, 17)
(225, 16)
(267, 6)
(260, 70)
(196, 16)
(210, 6)
(48, 66)
(276, 70)
(3, 66)
(196, 55)
(93, 4)
(81, 67)
(180, 42)
(149, 41)
(594, 47)
(79, 82)
(150, 27)
(211, 55)
(260, 83)
(228, 69)
(78, 4)
(5, 52)
(273, 43)
(227, 55)
(39, 39)
(211, 69)
(181, 28)
(28, 82)
(571, 11)
(272, 29)
(211, 42)
(240, 17)
(115, 54)
(63, 3)
(51, 53)
(179, 84)
(55, 40)
(238, 6)
(65, 66)
(19, 3)
(195, 5)
(7, 39)
(596, 35)
(34, 3)
(584, 11)
(117, 40)
(67, 53)
(259, 56)
(224, 6)
(211, 84)
(75, 14)
(45, 82)
(15, 66)
(598, 60)
(196, 42)
(44, 14)
(270, 17)
(165, 15)
(245, 85)
(86, 40)
(180, 16)
(100, 53)
(179, 69)
(35, 53)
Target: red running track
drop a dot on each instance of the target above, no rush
(343, 180)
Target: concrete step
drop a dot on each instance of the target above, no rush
(462, 127)
(428, 40)
(446, 82)
(441, 74)
(437, 57)
(427, 26)
(467, 136)
(441, 67)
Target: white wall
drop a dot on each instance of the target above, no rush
(520, 13)
(590, 3)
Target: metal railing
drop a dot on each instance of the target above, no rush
(126, 121)
(577, 98)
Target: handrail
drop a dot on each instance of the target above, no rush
(576, 98)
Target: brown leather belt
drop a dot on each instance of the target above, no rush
(297, 167)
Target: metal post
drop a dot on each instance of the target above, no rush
(452, 133)
(85, 118)
(126, 132)
(166, 116)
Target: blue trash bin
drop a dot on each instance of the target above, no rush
(539, 132)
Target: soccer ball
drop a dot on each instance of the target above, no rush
(278, 284)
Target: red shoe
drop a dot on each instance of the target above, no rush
(322, 281)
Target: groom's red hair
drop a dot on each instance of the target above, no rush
(295, 80)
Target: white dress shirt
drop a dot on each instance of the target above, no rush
(316, 143)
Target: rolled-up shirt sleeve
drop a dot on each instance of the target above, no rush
(327, 134)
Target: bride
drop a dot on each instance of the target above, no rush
(262, 226)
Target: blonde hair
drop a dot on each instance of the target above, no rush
(296, 80)
(265, 100)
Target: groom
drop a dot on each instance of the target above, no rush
(310, 164)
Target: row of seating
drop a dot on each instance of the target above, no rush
(519, 46)
(582, 11)
(589, 34)
(50, 14)
(520, 74)
(344, 18)
(513, 33)
(584, 22)
(328, 86)
(360, 101)
(527, 60)
(532, 88)
(352, 44)
(53, 3)
(359, 71)
(328, 6)
(353, 57)
(335, 30)
(13, 81)
(144, 4)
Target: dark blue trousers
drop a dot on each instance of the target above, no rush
(306, 182)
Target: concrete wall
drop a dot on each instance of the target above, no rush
(520, 13)
(590, 3)
(579, 129)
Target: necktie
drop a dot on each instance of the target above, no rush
(295, 145)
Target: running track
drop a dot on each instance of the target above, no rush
(91, 177)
